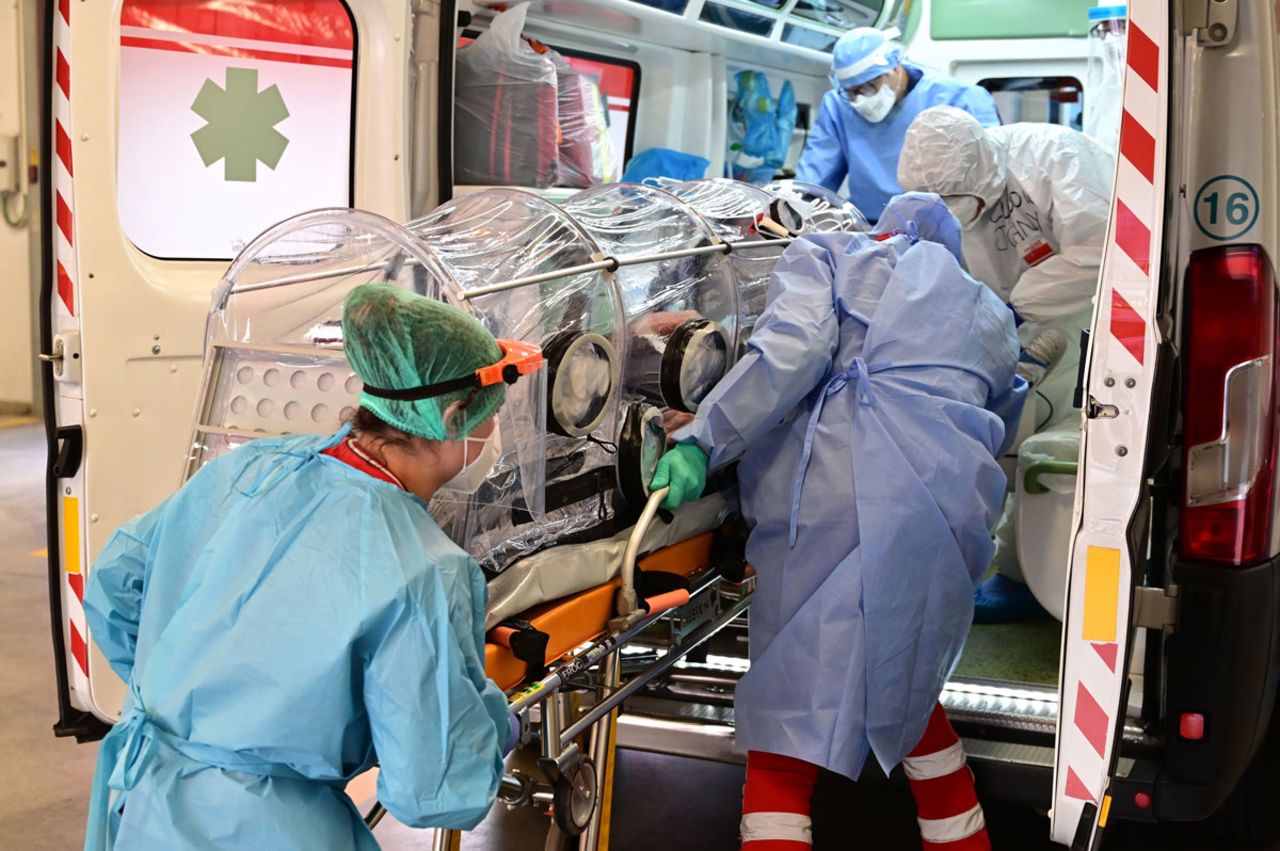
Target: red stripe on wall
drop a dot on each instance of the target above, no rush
(66, 291)
(63, 75)
(234, 52)
(63, 146)
(79, 649)
(1144, 57)
(64, 219)
(1133, 237)
(1138, 146)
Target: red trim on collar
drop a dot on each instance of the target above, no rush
(349, 453)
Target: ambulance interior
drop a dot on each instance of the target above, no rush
(683, 61)
(499, 189)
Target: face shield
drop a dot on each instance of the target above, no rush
(681, 315)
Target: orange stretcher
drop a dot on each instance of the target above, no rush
(572, 621)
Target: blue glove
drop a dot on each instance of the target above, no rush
(513, 734)
(683, 469)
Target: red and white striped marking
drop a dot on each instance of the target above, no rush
(1095, 631)
(63, 171)
(1138, 206)
(66, 309)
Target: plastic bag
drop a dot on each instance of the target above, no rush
(586, 151)
(760, 128)
(506, 109)
(665, 163)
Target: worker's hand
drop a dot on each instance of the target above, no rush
(683, 469)
(673, 421)
(663, 322)
(513, 734)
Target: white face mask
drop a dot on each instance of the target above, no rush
(875, 107)
(964, 207)
(472, 476)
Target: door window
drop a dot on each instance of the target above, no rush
(233, 115)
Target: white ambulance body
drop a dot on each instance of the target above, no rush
(176, 132)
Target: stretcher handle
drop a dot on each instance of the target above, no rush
(628, 603)
(501, 636)
(660, 603)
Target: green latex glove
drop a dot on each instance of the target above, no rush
(683, 469)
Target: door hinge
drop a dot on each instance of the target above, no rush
(1212, 21)
(1155, 608)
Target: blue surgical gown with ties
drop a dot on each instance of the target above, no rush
(843, 143)
(866, 413)
(283, 622)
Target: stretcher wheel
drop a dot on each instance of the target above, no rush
(576, 793)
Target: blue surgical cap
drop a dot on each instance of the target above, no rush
(861, 55)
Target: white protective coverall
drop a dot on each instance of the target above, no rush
(1037, 239)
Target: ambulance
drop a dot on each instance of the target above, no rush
(175, 131)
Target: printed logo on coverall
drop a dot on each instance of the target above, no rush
(1018, 228)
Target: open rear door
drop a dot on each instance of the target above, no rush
(1110, 541)
(176, 132)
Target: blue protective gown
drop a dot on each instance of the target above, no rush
(865, 417)
(843, 143)
(284, 621)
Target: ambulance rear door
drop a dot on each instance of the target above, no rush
(176, 132)
(1124, 383)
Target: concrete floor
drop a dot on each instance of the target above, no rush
(661, 802)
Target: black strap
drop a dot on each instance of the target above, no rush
(426, 391)
(529, 645)
(594, 483)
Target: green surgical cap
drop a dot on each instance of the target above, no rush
(397, 340)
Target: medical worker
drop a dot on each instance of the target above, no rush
(293, 616)
(862, 120)
(866, 417)
(1034, 200)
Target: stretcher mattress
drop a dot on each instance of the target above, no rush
(582, 617)
(570, 569)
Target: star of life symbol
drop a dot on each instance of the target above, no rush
(241, 125)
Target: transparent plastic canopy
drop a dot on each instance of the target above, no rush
(681, 313)
(733, 209)
(274, 363)
(500, 235)
(822, 210)
(660, 297)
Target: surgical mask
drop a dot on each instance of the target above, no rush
(964, 207)
(472, 475)
(875, 107)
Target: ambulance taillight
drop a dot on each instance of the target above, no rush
(1230, 402)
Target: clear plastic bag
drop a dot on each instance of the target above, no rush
(506, 109)
(586, 151)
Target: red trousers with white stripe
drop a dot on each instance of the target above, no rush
(775, 801)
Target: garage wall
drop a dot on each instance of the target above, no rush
(18, 280)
